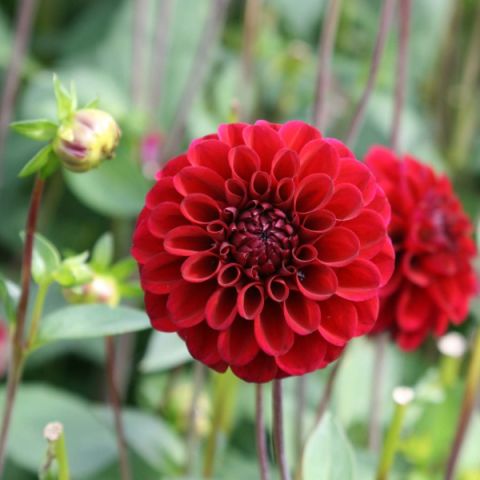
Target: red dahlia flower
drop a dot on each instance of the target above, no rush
(264, 247)
(433, 280)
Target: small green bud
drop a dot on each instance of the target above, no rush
(86, 139)
(102, 289)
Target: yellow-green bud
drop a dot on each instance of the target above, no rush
(86, 139)
(102, 289)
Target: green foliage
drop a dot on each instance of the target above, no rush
(164, 351)
(90, 321)
(41, 130)
(9, 294)
(328, 453)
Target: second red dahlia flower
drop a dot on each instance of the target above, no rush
(264, 247)
(434, 279)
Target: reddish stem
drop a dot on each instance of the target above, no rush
(18, 351)
(140, 20)
(327, 392)
(326, 43)
(358, 116)
(197, 74)
(157, 74)
(278, 439)
(260, 434)
(401, 73)
(26, 12)
(117, 409)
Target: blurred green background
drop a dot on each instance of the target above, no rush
(91, 43)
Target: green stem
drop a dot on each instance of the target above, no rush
(471, 388)
(391, 441)
(62, 458)
(225, 387)
(37, 314)
(449, 368)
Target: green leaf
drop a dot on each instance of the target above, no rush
(45, 259)
(148, 436)
(91, 445)
(40, 129)
(64, 99)
(90, 321)
(164, 351)
(73, 272)
(92, 103)
(51, 166)
(124, 268)
(102, 253)
(9, 295)
(37, 162)
(328, 454)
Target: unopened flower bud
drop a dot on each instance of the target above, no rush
(102, 289)
(87, 139)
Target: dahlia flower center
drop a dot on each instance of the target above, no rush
(438, 221)
(263, 238)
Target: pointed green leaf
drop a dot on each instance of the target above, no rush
(40, 129)
(90, 321)
(102, 253)
(124, 268)
(328, 454)
(64, 99)
(45, 259)
(92, 103)
(53, 162)
(9, 295)
(37, 162)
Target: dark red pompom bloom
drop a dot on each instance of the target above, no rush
(264, 247)
(433, 280)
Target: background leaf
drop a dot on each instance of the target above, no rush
(164, 351)
(328, 454)
(89, 321)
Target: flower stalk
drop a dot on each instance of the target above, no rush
(452, 347)
(261, 434)
(324, 74)
(278, 439)
(385, 21)
(402, 397)
(117, 410)
(468, 403)
(18, 349)
(55, 436)
(192, 437)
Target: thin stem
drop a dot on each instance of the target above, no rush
(197, 74)
(391, 442)
(376, 393)
(157, 74)
(321, 409)
(358, 116)
(224, 396)
(140, 20)
(401, 73)
(18, 352)
(117, 409)
(37, 314)
(468, 403)
(62, 458)
(464, 128)
(326, 44)
(261, 434)
(300, 413)
(192, 437)
(327, 392)
(250, 30)
(26, 13)
(278, 430)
